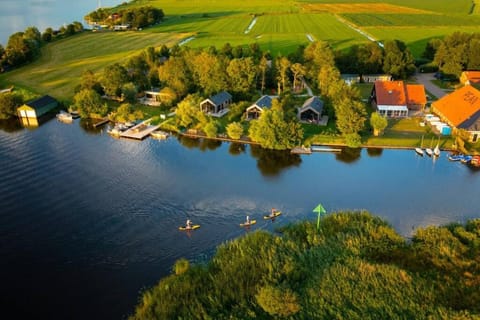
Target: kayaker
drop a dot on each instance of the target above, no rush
(188, 225)
(273, 212)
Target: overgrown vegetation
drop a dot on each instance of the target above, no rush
(354, 267)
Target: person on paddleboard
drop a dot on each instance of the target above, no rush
(272, 214)
(188, 224)
(247, 221)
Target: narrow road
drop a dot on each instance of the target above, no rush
(425, 79)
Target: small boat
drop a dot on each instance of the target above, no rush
(129, 124)
(455, 157)
(64, 116)
(248, 224)
(466, 159)
(158, 134)
(436, 151)
(272, 216)
(429, 151)
(418, 150)
(475, 161)
(185, 228)
(75, 114)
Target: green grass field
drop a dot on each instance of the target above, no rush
(58, 70)
(281, 26)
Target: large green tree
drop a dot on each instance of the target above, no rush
(378, 123)
(90, 104)
(113, 78)
(8, 104)
(174, 74)
(273, 132)
(398, 60)
(241, 75)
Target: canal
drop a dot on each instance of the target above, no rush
(88, 221)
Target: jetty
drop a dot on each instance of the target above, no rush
(301, 150)
(324, 149)
(101, 122)
(140, 131)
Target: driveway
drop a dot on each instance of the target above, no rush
(425, 79)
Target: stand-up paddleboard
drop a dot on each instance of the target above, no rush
(272, 216)
(248, 224)
(184, 228)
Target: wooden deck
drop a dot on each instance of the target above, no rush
(140, 131)
(324, 149)
(101, 122)
(301, 150)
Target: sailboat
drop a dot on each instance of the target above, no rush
(429, 151)
(420, 150)
(436, 151)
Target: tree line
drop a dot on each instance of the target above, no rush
(24, 47)
(137, 17)
(355, 266)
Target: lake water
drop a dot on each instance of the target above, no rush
(16, 15)
(88, 221)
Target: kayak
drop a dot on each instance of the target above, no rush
(195, 226)
(276, 214)
(245, 224)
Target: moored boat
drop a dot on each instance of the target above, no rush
(455, 157)
(466, 159)
(419, 150)
(64, 116)
(475, 161)
(158, 134)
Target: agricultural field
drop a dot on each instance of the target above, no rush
(424, 20)
(58, 70)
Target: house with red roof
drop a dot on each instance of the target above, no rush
(470, 78)
(395, 98)
(461, 110)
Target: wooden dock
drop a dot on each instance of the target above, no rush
(301, 150)
(140, 131)
(325, 149)
(101, 122)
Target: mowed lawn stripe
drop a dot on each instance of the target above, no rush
(58, 70)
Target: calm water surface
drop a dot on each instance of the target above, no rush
(88, 221)
(16, 15)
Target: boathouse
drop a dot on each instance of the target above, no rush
(395, 98)
(38, 107)
(216, 105)
(460, 110)
(311, 110)
(254, 111)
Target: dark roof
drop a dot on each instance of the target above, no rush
(221, 97)
(313, 102)
(264, 102)
(472, 123)
(41, 102)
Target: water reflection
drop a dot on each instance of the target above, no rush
(374, 152)
(272, 162)
(349, 155)
(88, 127)
(10, 125)
(201, 144)
(236, 149)
(208, 144)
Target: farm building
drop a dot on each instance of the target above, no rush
(217, 105)
(470, 78)
(311, 111)
(395, 98)
(375, 77)
(461, 110)
(254, 111)
(37, 108)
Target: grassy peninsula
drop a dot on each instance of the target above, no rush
(354, 267)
